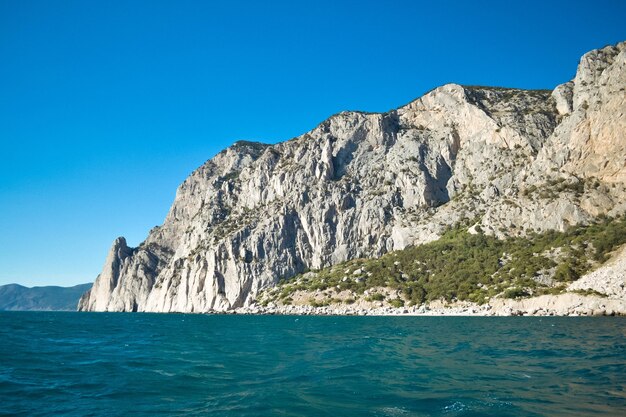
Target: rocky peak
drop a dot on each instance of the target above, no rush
(363, 184)
(589, 142)
(591, 72)
(97, 297)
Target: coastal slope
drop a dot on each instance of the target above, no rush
(508, 162)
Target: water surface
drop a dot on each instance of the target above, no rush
(97, 364)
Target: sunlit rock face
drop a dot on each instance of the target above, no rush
(362, 184)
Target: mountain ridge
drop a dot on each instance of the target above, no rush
(364, 184)
(16, 297)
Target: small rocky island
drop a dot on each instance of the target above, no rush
(468, 200)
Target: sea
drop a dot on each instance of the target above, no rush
(133, 364)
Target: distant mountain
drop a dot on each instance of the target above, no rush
(51, 298)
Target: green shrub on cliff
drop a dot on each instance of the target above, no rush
(475, 267)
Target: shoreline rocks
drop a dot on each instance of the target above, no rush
(567, 304)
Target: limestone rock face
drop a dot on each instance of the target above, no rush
(609, 279)
(363, 184)
(590, 140)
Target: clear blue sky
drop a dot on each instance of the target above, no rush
(106, 106)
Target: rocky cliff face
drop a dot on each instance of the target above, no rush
(362, 184)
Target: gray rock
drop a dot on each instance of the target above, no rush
(363, 184)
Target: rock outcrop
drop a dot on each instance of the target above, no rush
(362, 184)
(608, 280)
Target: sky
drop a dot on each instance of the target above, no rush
(106, 107)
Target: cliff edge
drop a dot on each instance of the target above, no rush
(360, 185)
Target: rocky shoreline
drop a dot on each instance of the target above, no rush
(568, 304)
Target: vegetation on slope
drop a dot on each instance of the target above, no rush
(465, 266)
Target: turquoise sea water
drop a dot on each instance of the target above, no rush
(89, 364)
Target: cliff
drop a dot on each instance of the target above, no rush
(360, 185)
